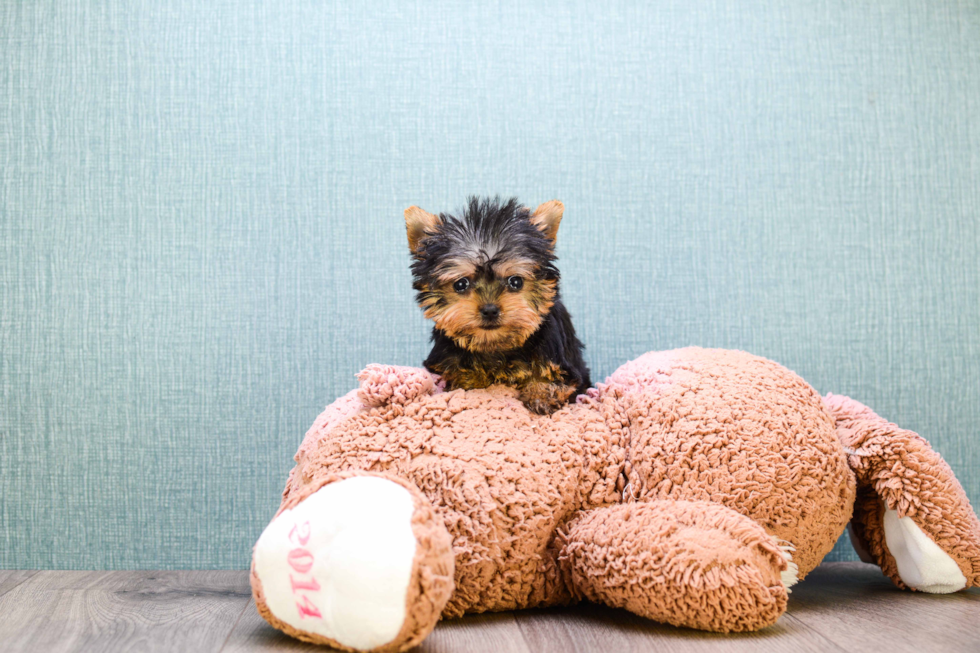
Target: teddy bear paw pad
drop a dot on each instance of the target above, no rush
(339, 563)
(921, 563)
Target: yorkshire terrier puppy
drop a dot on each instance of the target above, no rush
(489, 282)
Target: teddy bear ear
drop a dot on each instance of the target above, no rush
(547, 217)
(418, 222)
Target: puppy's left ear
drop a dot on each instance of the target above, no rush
(547, 217)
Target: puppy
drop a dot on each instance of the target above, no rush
(488, 281)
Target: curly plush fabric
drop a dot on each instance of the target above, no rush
(692, 487)
(394, 384)
(897, 469)
(687, 563)
(501, 478)
(742, 431)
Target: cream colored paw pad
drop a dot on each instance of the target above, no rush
(338, 564)
(791, 576)
(921, 564)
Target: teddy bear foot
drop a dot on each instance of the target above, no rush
(911, 516)
(696, 564)
(921, 564)
(361, 563)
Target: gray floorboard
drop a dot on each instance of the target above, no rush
(10, 579)
(839, 607)
(96, 612)
(853, 605)
(590, 628)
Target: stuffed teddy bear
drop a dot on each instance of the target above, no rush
(694, 487)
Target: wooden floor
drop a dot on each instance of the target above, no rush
(840, 607)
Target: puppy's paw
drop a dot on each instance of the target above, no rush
(545, 398)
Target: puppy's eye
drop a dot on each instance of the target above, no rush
(515, 283)
(461, 285)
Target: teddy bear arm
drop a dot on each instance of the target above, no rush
(687, 563)
(359, 561)
(911, 515)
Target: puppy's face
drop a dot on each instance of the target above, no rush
(488, 303)
(487, 279)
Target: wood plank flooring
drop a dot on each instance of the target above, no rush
(840, 607)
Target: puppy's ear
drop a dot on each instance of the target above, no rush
(546, 218)
(417, 222)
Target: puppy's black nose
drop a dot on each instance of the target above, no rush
(489, 311)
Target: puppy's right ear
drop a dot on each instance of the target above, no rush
(417, 222)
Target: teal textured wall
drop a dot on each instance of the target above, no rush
(201, 238)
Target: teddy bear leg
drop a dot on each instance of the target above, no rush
(359, 561)
(688, 563)
(911, 515)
